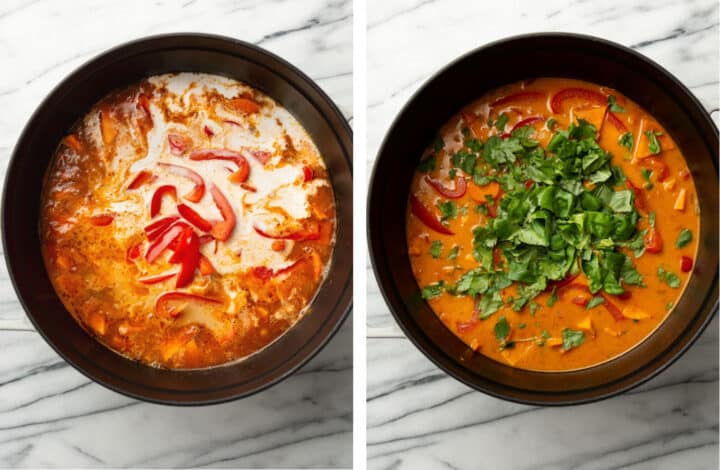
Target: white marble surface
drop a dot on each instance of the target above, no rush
(51, 415)
(420, 418)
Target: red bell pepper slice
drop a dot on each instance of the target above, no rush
(521, 96)
(263, 272)
(581, 300)
(164, 304)
(100, 220)
(658, 166)
(427, 217)
(639, 196)
(528, 121)
(198, 191)
(308, 174)
(143, 177)
(154, 279)
(194, 218)
(240, 176)
(626, 295)
(209, 132)
(569, 93)
(616, 122)
(156, 201)
(161, 243)
(144, 104)
(653, 241)
(244, 105)
(133, 252)
(458, 192)
(608, 304)
(465, 326)
(260, 155)
(180, 245)
(156, 228)
(222, 230)
(311, 233)
(248, 187)
(190, 259)
(178, 143)
(232, 123)
(686, 264)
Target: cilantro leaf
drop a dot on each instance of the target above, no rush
(684, 238)
(614, 107)
(594, 302)
(432, 290)
(653, 143)
(435, 248)
(572, 338)
(501, 122)
(428, 164)
(626, 140)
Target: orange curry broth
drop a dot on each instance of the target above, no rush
(605, 337)
(97, 275)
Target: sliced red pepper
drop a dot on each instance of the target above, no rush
(133, 252)
(205, 266)
(639, 196)
(156, 201)
(658, 166)
(164, 304)
(608, 304)
(581, 300)
(492, 208)
(161, 243)
(101, 220)
(209, 132)
(180, 245)
(260, 155)
(307, 174)
(194, 218)
(458, 192)
(529, 121)
(686, 264)
(159, 226)
(144, 104)
(684, 174)
(198, 191)
(626, 295)
(653, 241)
(529, 184)
(465, 326)
(570, 93)
(521, 96)
(311, 233)
(178, 143)
(497, 258)
(232, 123)
(240, 176)
(154, 279)
(562, 282)
(427, 217)
(288, 268)
(248, 187)
(616, 122)
(143, 177)
(190, 260)
(222, 230)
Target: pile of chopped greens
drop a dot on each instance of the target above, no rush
(562, 210)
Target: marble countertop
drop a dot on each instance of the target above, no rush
(418, 417)
(50, 414)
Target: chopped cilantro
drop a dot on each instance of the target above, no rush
(668, 277)
(533, 308)
(553, 298)
(626, 140)
(684, 238)
(448, 210)
(614, 107)
(572, 338)
(594, 302)
(428, 164)
(669, 306)
(439, 143)
(653, 143)
(453, 254)
(435, 248)
(651, 219)
(521, 326)
(502, 332)
(646, 173)
(550, 124)
(501, 122)
(432, 290)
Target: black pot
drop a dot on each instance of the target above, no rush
(67, 103)
(463, 81)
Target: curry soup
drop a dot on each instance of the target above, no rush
(552, 225)
(187, 221)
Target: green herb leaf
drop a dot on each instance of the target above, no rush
(684, 238)
(614, 107)
(453, 254)
(553, 298)
(651, 219)
(550, 123)
(594, 302)
(668, 277)
(653, 143)
(501, 122)
(435, 248)
(626, 140)
(432, 290)
(427, 165)
(448, 210)
(439, 143)
(502, 331)
(572, 338)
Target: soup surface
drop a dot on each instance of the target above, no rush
(187, 220)
(552, 224)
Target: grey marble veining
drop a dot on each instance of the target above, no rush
(51, 415)
(420, 418)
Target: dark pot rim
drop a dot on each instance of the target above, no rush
(342, 134)
(450, 365)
